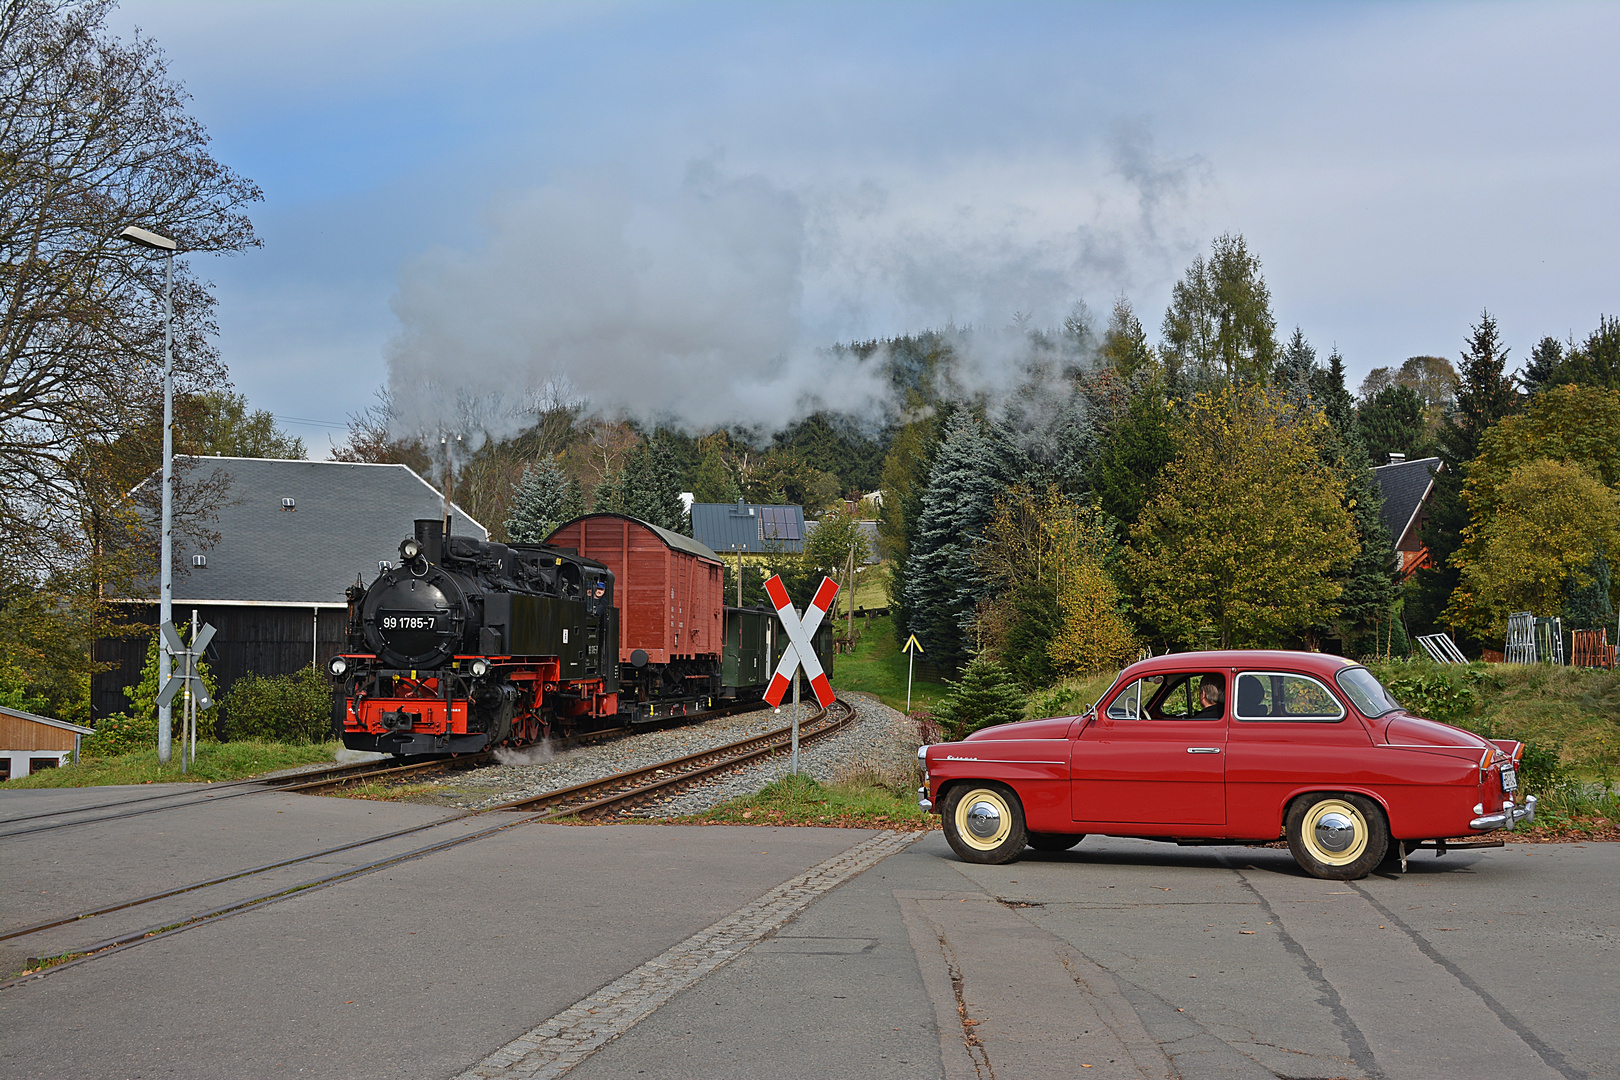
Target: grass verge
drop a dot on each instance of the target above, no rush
(802, 801)
(385, 791)
(878, 667)
(215, 762)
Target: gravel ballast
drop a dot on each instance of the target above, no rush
(879, 739)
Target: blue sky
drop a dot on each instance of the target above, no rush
(632, 197)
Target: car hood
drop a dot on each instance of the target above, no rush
(1055, 728)
(1406, 730)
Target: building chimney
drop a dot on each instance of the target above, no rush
(1396, 459)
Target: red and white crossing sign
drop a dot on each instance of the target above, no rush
(800, 652)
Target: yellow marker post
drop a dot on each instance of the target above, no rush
(912, 647)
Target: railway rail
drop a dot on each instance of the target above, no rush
(610, 794)
(316, 781)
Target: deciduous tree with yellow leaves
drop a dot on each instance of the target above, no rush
(1247, 527)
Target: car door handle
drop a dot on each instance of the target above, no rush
(1203, 749)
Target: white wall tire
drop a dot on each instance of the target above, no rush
(1335, 836)
(984, 822)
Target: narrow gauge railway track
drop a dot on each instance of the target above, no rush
(199, 794)
(328, 778)
(619, 791)
(625, 790)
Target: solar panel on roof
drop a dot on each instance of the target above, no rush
(778, 523)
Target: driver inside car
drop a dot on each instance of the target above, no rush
(1210, 697)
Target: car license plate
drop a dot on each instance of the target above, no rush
(1510, 778)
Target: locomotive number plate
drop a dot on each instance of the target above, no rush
(408, 622)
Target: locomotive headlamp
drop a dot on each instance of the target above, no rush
(410, 549)
(480, 667)
(339, 665)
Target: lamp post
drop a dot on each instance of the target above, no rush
(165, 567)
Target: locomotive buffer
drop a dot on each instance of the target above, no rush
(800, 652)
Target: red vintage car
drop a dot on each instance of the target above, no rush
(1229, 748)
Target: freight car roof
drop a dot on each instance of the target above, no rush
(296, 532)
(672, 540)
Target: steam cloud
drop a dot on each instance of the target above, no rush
(715, 306)
(538, 754)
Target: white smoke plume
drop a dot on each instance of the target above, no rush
(538, 754)
(716, 304)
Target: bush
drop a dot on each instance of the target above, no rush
(293, 708)
(120, 734)
(1448, 693)
(143, 696)
(1541, 768)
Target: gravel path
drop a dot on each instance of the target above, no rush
(880, 739)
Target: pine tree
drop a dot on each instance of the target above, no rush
(1369, 581)
(943, 585)
(1391, 421)
(714, 482)
(1485, 395)
(1137, 449)
(1124, 346)
(1596, 361)
(1296, 364)
(985, 695)
(608, 498)
(573, 502)
(1546, 366)
(540, 502)
(652, 487)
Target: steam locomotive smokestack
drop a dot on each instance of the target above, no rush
(430, 534)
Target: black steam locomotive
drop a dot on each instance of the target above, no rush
(465, 645)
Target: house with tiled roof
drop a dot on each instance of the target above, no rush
(291, 536)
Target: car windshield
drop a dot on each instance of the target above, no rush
(1366, 691)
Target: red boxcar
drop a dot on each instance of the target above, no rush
(668, 587)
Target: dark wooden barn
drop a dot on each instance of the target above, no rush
(292, 536)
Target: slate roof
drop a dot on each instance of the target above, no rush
(751, 527)
(346, 519)
(1404, 486)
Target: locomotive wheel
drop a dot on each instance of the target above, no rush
(1338, 837)
(984, 822)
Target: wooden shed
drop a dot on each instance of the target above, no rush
(668, 587)
(29, 742)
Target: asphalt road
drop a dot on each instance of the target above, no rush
(1135, 959)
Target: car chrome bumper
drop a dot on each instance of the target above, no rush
(922, 800)
(1508, 818)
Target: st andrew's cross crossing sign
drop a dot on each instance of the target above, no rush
(800, 652)
(177, 682)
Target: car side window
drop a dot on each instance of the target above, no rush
(1196, 696)
(1279, 697)
(1127, 704)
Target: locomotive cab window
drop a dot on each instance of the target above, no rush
(598, 594)
(1278, 697)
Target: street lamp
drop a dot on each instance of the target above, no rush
(165, 570)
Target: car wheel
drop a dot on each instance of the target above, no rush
(1054, 841)
(984, 822)
(1339, 837)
